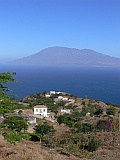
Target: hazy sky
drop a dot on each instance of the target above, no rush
(28, 26)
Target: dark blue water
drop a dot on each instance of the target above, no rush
(96, 83)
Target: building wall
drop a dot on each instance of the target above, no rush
(41, 111)
(52, 92)
(65, 111)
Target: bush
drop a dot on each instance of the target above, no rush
(93, 145)
(86, 127)
(111, 111)
(66, 119)
(98, 111)
(84, 111)
(105, 125)
(34, 137)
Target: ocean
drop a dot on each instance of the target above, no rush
(96, 83)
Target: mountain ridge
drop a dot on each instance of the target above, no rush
(64, 56)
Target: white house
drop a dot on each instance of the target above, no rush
(47, 95)
(60, 98)
(40, 110)
(58, 92)
(65, 98)
(52, 92)
(65, 111)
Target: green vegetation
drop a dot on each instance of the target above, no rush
(4, 79)
(85, 110)
(111, 111)
(111, 104)
(44, 133)
(15, 123)
(76, 143)
(69, 119)
(44, 129)
(7, 101)
(93, 145)
(13, 137)
(85, 128)
(11, 127)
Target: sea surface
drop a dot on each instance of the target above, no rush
(96, 83)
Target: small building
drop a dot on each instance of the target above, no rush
(87, 114)
(58, 92)
(60, 98)
(71, 100)
(65, 98)
(1, 118)
(47, 95)
(65, 111)
(24, 104)
(52, 92)
(40, 110)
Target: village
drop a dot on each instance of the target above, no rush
(41, 111)
(68, 117)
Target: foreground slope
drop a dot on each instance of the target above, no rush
(63, 56)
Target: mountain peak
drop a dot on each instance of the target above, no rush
(64, 56)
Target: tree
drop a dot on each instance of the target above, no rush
(12, 126)
(66, 119)
(44, 129)
(6, 103)
(15, 123)
(4, 79)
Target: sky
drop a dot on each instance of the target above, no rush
(28, 26)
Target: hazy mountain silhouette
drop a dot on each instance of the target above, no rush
(63, 56)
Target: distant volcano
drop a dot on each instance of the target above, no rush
(63, 56)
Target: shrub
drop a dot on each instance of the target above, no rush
(84, 111)
(105, 125)
(86, 127)
(98, 111)
(111, 111)
(93, 145)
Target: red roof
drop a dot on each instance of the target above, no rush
(40, 106)
(28, 111)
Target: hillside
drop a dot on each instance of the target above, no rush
(76, 135)
(73, 128)
(63, 56)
